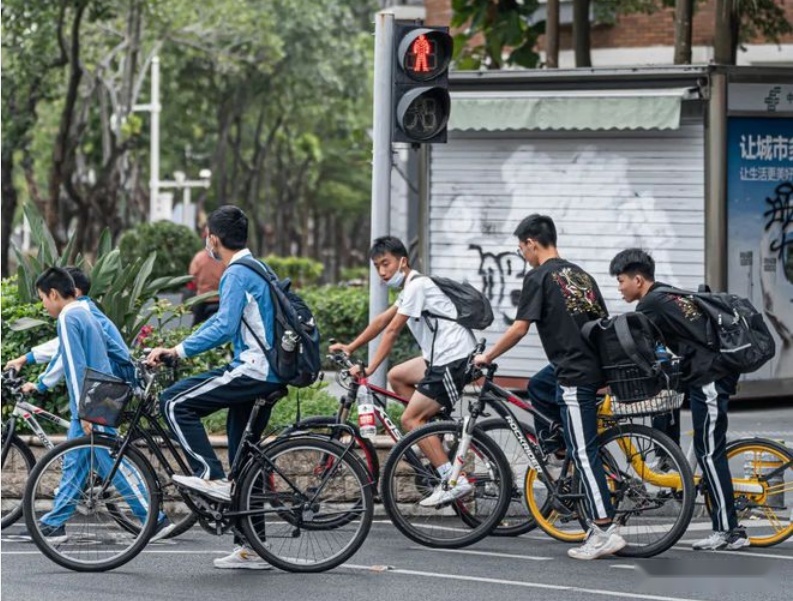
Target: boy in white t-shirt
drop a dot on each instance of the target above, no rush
(434, 381)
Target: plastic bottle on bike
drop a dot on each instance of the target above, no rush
(366, 418)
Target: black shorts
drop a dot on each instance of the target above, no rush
(444, 383)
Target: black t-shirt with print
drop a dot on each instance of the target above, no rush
(560, 298)
(682, 325)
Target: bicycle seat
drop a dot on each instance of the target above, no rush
(274, 397)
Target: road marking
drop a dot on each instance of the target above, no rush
(485, 553)
(619, 566)
(744, 553)
(145, 551)
(521, 584)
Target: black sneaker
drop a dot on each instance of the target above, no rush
(54, 534)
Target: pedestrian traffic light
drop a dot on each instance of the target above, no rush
(421, 83)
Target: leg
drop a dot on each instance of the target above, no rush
(404, 377)
(238, 417)
(419, 411)
(543, 391)
(579, 420)
(73, 477)
(709, 414)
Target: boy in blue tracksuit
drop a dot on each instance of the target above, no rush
(245, 317)
(81, 345)
(48, 352)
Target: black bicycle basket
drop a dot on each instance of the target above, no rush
(630, 384)
(103, 399)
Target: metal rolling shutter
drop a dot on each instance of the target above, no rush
(606, 191)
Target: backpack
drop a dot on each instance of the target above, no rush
(295, 356)
(736, 331)
(626, 345)
(473, 309)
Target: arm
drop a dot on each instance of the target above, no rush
(387, 343)
(41, 353)
(52, 375)
(378, 324)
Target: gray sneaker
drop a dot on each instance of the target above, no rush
(242, 558)
(729, 541)
(599, 543)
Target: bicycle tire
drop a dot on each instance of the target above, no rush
(518, 519)
(135, 465)
(751, 506)
(271, 540)
(398, 489)
(561, 519)
(13, 447)
(629, 496)
(370, 459)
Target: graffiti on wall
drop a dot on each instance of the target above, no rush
(501, 277)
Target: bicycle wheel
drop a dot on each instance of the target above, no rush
(328, 426)
(18, 461)
(70, 519)
(179, 513)
(518, 519)
(408, 478)
(556, 506)
(653, 488)
(762, 472)
(306, 484)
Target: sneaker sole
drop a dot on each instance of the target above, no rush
(744, 542)
(243, 567)
(162, 533)
(444, 502)
(57, 540)
(605, 552)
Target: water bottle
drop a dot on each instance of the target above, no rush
(366, 418)
(661, 354)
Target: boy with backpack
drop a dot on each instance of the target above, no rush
(246, 318)
(560, 298)
(434, 381)
(708, 384)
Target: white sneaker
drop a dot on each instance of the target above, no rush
(242, 558)
(599, 543)
(729, 541)
(441, 495)
(217, 489)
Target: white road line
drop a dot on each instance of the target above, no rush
(144, 552)
(521, 584)
(620, 566)
(744, 553)
(485, 553)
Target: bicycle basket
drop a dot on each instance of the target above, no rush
(663, 402)
(630, 384)
(103, 398)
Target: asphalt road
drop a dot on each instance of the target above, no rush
(391, 567)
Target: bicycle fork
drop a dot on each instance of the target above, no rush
(462, 450)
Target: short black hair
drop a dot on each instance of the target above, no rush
(229, 224)
(56, 278)
(388, 244)
(81, 281)
(631, 262)
(539, 228)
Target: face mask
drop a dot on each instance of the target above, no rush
(397, 279)
(211, 251)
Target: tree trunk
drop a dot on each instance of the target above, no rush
(581, 33)
(725, 42)
(684, 13)
(10, 201)
(552, 34)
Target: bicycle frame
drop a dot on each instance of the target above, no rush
(29, 413)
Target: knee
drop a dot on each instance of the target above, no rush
(409, 421)
(394, 378)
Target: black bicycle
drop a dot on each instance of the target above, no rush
(285, 497)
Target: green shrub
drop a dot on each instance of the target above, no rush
(301, 270)
(343, 313)
(355, 274)
(174, 244)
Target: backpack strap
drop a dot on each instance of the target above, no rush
(269, 277)
(625, 338)
(588, 328)
(711, 338)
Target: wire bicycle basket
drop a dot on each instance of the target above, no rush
(103, 398)
(635, 393)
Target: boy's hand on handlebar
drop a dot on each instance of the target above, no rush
(16, 364)
(338, 347)
(357, 371)
(482, 359)
(159, 355)
(29, 388)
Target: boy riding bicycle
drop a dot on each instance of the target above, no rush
(434, 381)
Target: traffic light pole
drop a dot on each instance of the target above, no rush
(381, 166)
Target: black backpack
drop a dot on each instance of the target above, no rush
(300, 363)
(473, 309)
(736, 331)
(626, 345)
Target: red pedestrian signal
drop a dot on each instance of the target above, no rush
(420, 83)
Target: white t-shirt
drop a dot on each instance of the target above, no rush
(452, 341)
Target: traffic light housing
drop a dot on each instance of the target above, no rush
(421, 83)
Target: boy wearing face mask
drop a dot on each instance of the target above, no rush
(434, 381)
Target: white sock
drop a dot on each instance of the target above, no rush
(445, 469)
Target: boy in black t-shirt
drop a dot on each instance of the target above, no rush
(682, 325)
(560, 298)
